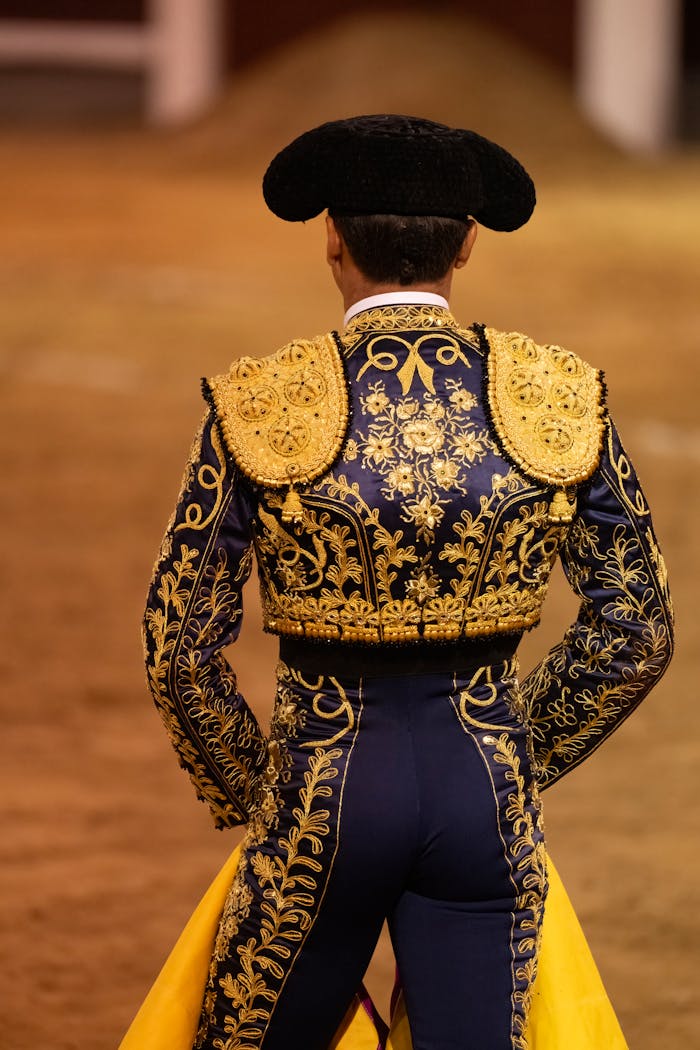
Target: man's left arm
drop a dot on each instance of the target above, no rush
(622, 640)
(193, 611)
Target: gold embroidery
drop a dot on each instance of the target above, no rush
(508, 586)
(520, 825)
(623, 472)
(289, 873)
(422, 449)
(398, 318)
(547, 409)
(659, 564)
(193, 458)
(490, 595)
(514, 579)
(468, 697)
(210, 479)
(342, 708)
(450, 351)
(288, 881)
(163, 624)
(284, 417)
(286, 720)
(193, 606)
(330, 569)
(528, 857)
(589, 683)
(587, 712)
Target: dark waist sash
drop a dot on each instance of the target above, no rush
(348, 660)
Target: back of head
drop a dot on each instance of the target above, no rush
(402, 249)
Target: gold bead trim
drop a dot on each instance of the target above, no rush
(284, 417)
(475, 628)
(547, 408)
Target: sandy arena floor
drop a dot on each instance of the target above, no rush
(132, 264)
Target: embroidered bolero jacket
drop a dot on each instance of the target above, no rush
(403, 482)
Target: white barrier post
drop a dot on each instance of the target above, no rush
(84, 45)
(628, 67)
(186, 58)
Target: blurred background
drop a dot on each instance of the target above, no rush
(137, 256)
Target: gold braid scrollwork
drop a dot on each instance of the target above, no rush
(464, 542)
(528, 858)
(621, 642)
(211, 479)
(342, 709)
(193, 611)
(468, 698)
(188, 475)
(506, 756)
(384, 360)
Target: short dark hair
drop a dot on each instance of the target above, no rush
(403, 249)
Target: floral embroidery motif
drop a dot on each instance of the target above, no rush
(421, 531)
(287, 881)
(528, 859)
(479, 707)
(286, 861)
(422, 449)
(345, 569)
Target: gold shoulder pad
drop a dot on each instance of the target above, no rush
(547, 407)
(284, 417)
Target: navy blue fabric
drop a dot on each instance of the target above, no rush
(430, 840)
(409, 797)
(423, 533)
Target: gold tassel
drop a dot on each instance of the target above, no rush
(561, 511)
(292, 508)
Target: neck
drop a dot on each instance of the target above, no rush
(361, 288)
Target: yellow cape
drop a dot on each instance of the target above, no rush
(569, 1008)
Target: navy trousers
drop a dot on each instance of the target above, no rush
(409, 798)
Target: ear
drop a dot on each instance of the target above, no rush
(467, 244)
(334, 243)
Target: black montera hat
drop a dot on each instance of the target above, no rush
(394, 165)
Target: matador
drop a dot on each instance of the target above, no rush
(405, 485)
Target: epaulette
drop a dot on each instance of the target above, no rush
(547, 407)
(284, 417)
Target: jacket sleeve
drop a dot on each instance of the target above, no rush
(622, 640)
(193, 611)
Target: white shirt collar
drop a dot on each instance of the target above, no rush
(394, 299)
